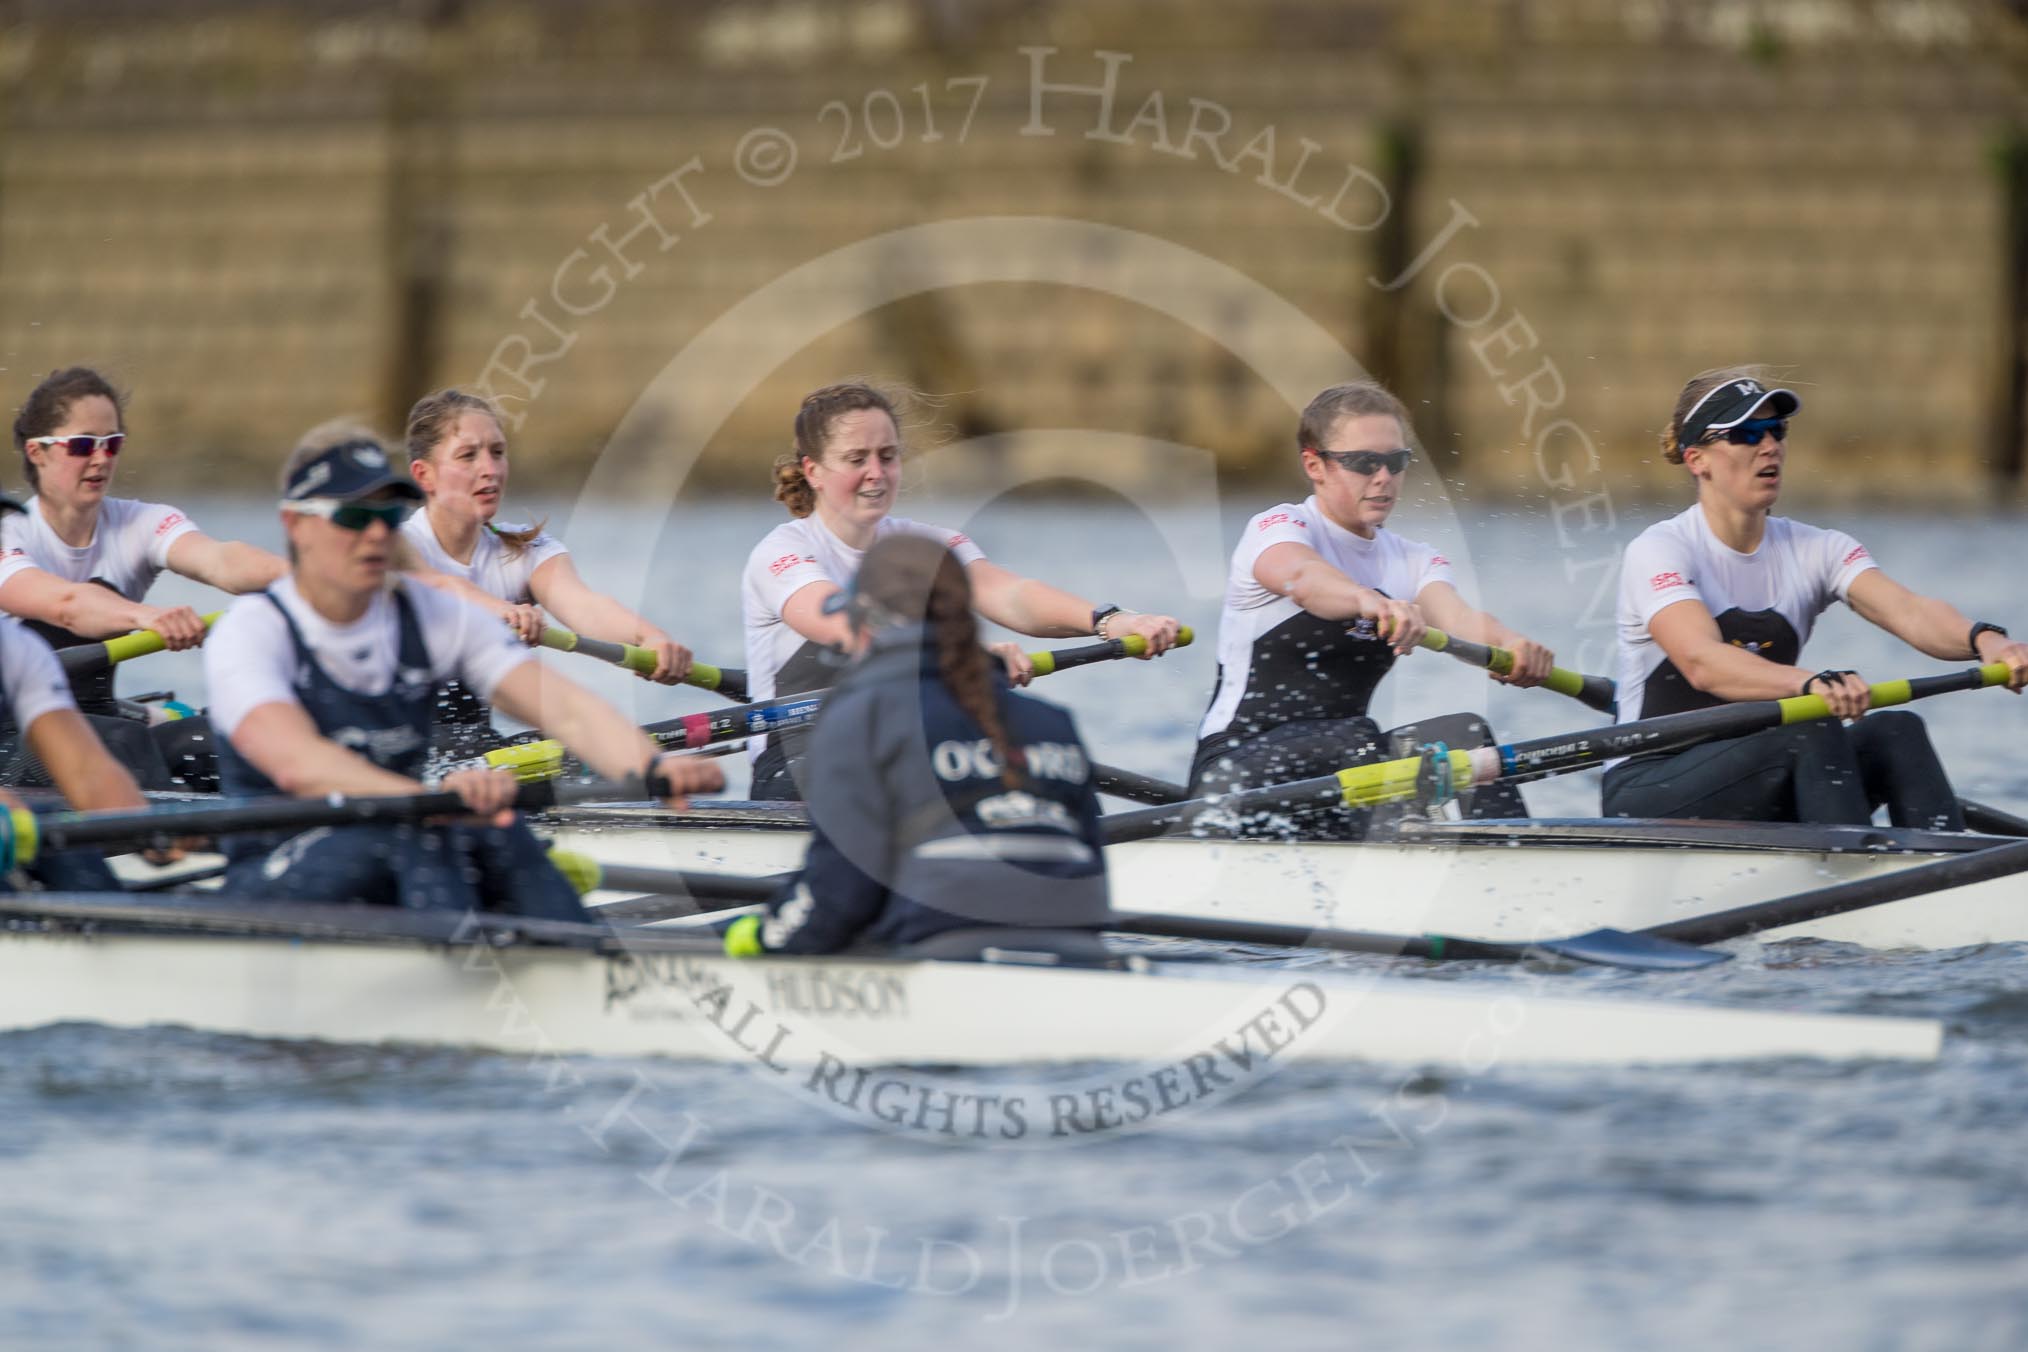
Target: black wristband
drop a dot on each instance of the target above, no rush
(1972, 639)
(1827, 674)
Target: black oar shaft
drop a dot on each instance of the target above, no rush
(1137, 788)
(1958, 870)
(71, 830)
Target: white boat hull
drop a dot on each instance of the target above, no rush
(1473, 882)
(785, 1017)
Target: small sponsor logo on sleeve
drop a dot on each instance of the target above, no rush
(788, 561)
(1276, 519)
(169, 523)
(1858, 553)
(1439, 561)
(1664, 581)
(956, 540)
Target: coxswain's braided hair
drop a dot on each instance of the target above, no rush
(908, 579)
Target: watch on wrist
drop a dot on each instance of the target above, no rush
(1099, 617)
(1983, 628)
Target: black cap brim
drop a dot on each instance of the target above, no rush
(1733, 403)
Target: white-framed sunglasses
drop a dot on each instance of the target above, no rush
(83, 444)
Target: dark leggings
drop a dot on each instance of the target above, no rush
(1823, 771)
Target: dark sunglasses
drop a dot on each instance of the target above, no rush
(355, 515)
(1369, 462)
(82, 445)
(1750, 433)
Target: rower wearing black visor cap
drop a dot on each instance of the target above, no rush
(1716, 604)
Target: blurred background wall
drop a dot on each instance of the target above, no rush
(257, 215)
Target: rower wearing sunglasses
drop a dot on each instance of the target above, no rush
(1320, 600)
(458, 455)
(1716, 604)
(327, 683)
(76, 563)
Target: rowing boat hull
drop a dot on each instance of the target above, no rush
(1512, 882)
(786, 1017)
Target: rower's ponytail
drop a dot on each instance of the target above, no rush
(909, 578)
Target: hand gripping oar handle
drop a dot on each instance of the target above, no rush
(727, 681)
(535, 760)
(34, 833)
(1597, 692)
(1389, 781)
(1129, 645)
(87, 658)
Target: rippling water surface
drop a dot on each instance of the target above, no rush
(167, 1188)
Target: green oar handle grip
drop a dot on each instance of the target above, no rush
(1596, 692)
(86, 658)
(727, 681)
(1130, 645)
(1887, 694)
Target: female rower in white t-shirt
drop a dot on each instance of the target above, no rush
(839, 484)
(76, 563)
(326, 685)
(458, 457)
(1716, 604)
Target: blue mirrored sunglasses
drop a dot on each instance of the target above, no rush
(1750, 433)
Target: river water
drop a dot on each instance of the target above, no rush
(169, 1189)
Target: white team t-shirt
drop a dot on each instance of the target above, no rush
(1797, 572)
(791, 557)
(1388, 563)
(31, 674)
(250, 660)
(493, 569)
(129, 549)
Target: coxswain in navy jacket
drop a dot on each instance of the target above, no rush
(915, 832)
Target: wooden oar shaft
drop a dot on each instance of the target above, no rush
(1595, 692)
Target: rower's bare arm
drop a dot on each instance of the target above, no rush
(564, 594)
(280, 741)
(527, 622)
(1690, 637)
(1450, 612)
(79, 764)
(82, 607)
(1931, 625)
(229, 565)
(1026, 605)
(804, 613)
(1302, 574)
(1029, 606)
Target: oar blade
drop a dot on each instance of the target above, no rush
(1638, 952)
